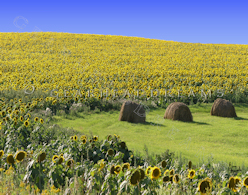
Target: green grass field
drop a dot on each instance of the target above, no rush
(225, 139)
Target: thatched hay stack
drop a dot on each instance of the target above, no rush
(178, 111)
(132, 112)
(223, 108)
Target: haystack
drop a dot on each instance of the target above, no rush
(132, 112)
(223, 108)
(178, 111)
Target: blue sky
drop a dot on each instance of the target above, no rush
(177, 20)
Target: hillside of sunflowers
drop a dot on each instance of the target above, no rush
(59, 70)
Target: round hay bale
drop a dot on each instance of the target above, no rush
(132, 112)
(178, 111)
(223, 108)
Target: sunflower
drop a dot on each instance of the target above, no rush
(36, 119)
(172, 172)
(125, 166)
(20, 100)
(176, 178)
(17, 112)
(95, 138)
(10, 159)
(20, 156)
(21, 118)
(166, 179)
(148, 170)
(1, 153)
(110, 152)
(245, 182)
(72, 137)
(233, 183)
(123, 145)
(135, 178)
(9, 111)
(75, 138)
(155, 173)
(112, 169)
(26, 123)
(167, 172)
(3, 113)
(190, 164)
(41, 157)
(191, 174)
(205, 185)
(41, 121)
(163, 164)
(61, 159)
(54, 158)
(84, 141)
(70, 162)
(117, 169)
(83, 137)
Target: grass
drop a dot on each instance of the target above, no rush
(225, 139)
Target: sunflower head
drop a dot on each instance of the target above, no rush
(83, 137)
(125, 167)
(166, 179)
(191, 174)
(205, 185)
(75, 138)
(41, 157)
(123, 145)
(117, 169)
(135, 178)
(245, 182)
(172, 172)
(176, 178)
(112, 169)
(110, 152)
(10, 159)
(41, 121)
(163, 164)
(20, 156)
(84, 141)
(26, 123)
(54, 158)
(60, 160)
(148, 170)
(1, 153)
(155, 173)
(95, 138)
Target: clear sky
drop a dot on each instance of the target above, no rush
(198, 21)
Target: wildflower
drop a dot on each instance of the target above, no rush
(125, 166)
(20, 156)
(1, 153)
(176, 178)
(54, 158)
(26, 123)
(10, 159)
(191, 174)
(110, 152)
(163, 164)
(205, 185)
(41, 157)
(117, 169)
(155, 173)
(135, 178)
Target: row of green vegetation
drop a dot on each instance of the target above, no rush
(37, 156)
